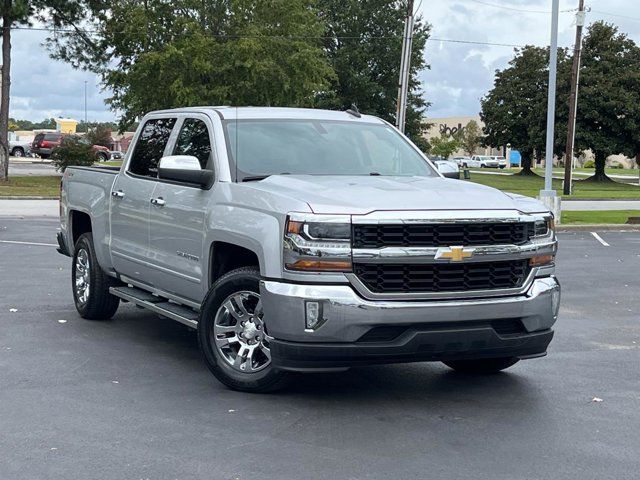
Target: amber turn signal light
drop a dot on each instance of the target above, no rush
(320, 265)
(541, 260)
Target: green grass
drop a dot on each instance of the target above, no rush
(110, 163)
(609, 216)
(37, 186)
(531, 186)
(558, 171)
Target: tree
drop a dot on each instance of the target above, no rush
(363, 41)
(470, 138)
(100, 135)
(608, 117)
(515, 110)
(158, 54)
(21, 12)
(72, 151)
(444, 146)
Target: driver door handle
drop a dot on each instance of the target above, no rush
(117, 193)
(158, 201)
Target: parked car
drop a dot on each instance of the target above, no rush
(502, 162)
(483, 161)
(299, 240)
(448, 168)
(116, 155)
(19, 148)
(44, 143)
(462, 161)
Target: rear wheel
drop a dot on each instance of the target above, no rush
(90, 284)
(102, 157)
(17, 152)
(233, 335)
(484, 365)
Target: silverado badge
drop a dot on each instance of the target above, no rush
(455, 254)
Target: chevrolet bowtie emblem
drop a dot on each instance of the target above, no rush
(455, 254)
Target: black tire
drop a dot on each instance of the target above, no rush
(483, 365)
(102, 157)
(44, 156)
(464, 165)
(99, 304)
(17, 152)
(268, 379)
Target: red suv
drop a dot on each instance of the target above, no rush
(44, 143)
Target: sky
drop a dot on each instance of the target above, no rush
(459, 76)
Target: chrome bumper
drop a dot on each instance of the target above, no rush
(347, 316)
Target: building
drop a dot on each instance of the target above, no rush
(66, 125)
(453, 125)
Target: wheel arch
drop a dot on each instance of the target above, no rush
(227, 256)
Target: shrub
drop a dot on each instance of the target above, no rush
(72, 152)
(589, 164)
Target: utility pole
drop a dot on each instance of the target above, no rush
(86, 123)
(548, 195)
(405, 68)
(573, 100)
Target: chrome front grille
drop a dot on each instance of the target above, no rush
(441, 234)
(442, 277)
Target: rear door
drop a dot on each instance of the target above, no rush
(177, 218)
(131, 201)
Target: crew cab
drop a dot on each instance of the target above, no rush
(299, 240)
(483, 161)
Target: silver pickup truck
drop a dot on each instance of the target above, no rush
(301, 240)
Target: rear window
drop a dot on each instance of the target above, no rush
(52, 137)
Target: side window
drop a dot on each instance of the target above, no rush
(194, 140)
(150, 146)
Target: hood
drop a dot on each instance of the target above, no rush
(359, 195)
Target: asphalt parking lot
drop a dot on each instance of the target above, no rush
(130, 398)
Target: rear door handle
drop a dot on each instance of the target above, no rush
(158, 201)
(117, 193)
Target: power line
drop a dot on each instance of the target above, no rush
(291, 37)
(615, 15)
(514, 9)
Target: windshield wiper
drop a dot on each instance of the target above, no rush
(255, 178)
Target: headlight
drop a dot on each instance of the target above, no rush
(543, 226)
(317, 243)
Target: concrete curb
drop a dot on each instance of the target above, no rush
(26, 197)
(620, 227)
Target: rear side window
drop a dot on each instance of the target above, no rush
(52, 137)
(150, 146)
(194, 140)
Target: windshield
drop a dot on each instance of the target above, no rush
(320, 147)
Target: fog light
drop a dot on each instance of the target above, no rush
(313, 314)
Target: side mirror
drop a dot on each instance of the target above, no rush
(185, 169)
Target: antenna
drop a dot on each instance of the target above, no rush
(354, 111)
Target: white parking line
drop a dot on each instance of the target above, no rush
(29, 243)
(599, 238)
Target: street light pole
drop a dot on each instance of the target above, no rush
(573, 101)
(86, 123)
(405, 68)
(548, 195)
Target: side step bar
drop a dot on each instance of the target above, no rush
(161, 306)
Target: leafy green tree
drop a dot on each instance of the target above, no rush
(15, 13)
(608, 118)
(470, 138)
(72, 151)
(515, 110)
(363, 41)
(100, 135)
(444, 146)
(159, 54)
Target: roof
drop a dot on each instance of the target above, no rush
(231, 113)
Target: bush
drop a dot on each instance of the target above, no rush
(589, 164)
(72, 152)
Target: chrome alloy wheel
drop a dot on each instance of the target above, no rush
(239, 332)
(83, 270)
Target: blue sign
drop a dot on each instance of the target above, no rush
(514, 158)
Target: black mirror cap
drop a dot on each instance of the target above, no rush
(201, 178)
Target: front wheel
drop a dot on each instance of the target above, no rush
(234, 337)
(484, 365)
(102, 157)
(90, 284)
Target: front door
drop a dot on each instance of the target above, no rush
(130, 201)
(177, 218)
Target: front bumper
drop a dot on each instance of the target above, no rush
(353, 329)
